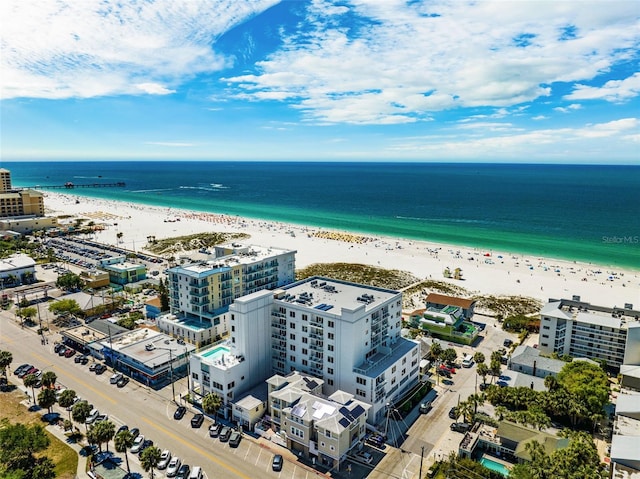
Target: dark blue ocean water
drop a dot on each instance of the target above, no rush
(588, 213)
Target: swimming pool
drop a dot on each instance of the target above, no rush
(495, 466)
(215, 352)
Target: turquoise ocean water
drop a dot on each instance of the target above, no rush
(586, 213)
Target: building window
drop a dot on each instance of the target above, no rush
(330, 382)
(292, 337)
(330, 336)
(329, 347)
(361, 393)
(297, 432)
(292, 358)
(330, 359)
(330, 371)
(305, 362)
(360, 380)
(292, 347)
(305, 340)
(292, 314)
(304, 317)
(327, 433)
(305, 351)
(292, 325)
(330, 324)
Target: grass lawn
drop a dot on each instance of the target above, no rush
(64, 457)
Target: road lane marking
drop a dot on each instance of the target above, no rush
(83, 383)
(196, 449)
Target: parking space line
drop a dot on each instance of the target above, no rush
(247, 453)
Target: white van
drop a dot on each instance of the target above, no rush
(196, 473)
(467, 362)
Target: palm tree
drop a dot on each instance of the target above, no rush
(476, 400)
(6, 358)
(150, 458)
(123, 442)
(80, 412)
(465, 408)
(30, 381)
(66, 399)
(478, 357)
(93, 438)
(49, 379)
(551, 383)
(211, 403)
(107, 431)
(47, 398)
(483, 370)
(435, 351)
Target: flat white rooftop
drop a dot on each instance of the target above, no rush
(330, 296)
(246, 255)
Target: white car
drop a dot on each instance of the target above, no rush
(172, 468)
(137, 444)
(165, 458)
(115, 378)
(93, 415)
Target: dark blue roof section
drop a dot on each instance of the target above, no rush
(323, 307)
(344, 422)
(357, 411)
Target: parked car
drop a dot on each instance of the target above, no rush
(147, 443)
(69, 352)
(101, 417)
(365, 457)
(234, 439)
(507, 343)
(173, 466)
(84, 359)
(59, 347)
(483, 386)
(425, 407)
(93, 415)
(115, 378)
(277, 462)
(21, 370)
(93, 366)
(377, 440)
(165, 458)
(214, 430)
(62, 351)
(224, 434)
(183, 472)
(135, 432)
(197, 420)
(460, 427)
(122, 428)
(100, 368)
(137, 444)
(122, 382)
(179, 414)
(453, 412)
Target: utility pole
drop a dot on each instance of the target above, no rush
(421, 458)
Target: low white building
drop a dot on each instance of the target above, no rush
(17, 269)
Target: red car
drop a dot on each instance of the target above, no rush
(449, 370)
(69, 352)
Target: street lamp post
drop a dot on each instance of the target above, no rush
(173, 387)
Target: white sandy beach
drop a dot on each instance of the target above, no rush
(502, 273)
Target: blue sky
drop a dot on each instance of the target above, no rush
(504, 81)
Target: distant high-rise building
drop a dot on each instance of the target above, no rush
(16, 201)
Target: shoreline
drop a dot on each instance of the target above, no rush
(484, 271)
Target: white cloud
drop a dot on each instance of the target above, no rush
(89, 48)
(409, 59)
(154, 89)
(613, 90)
(545, 144)
(567, 109)
(171, 144)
